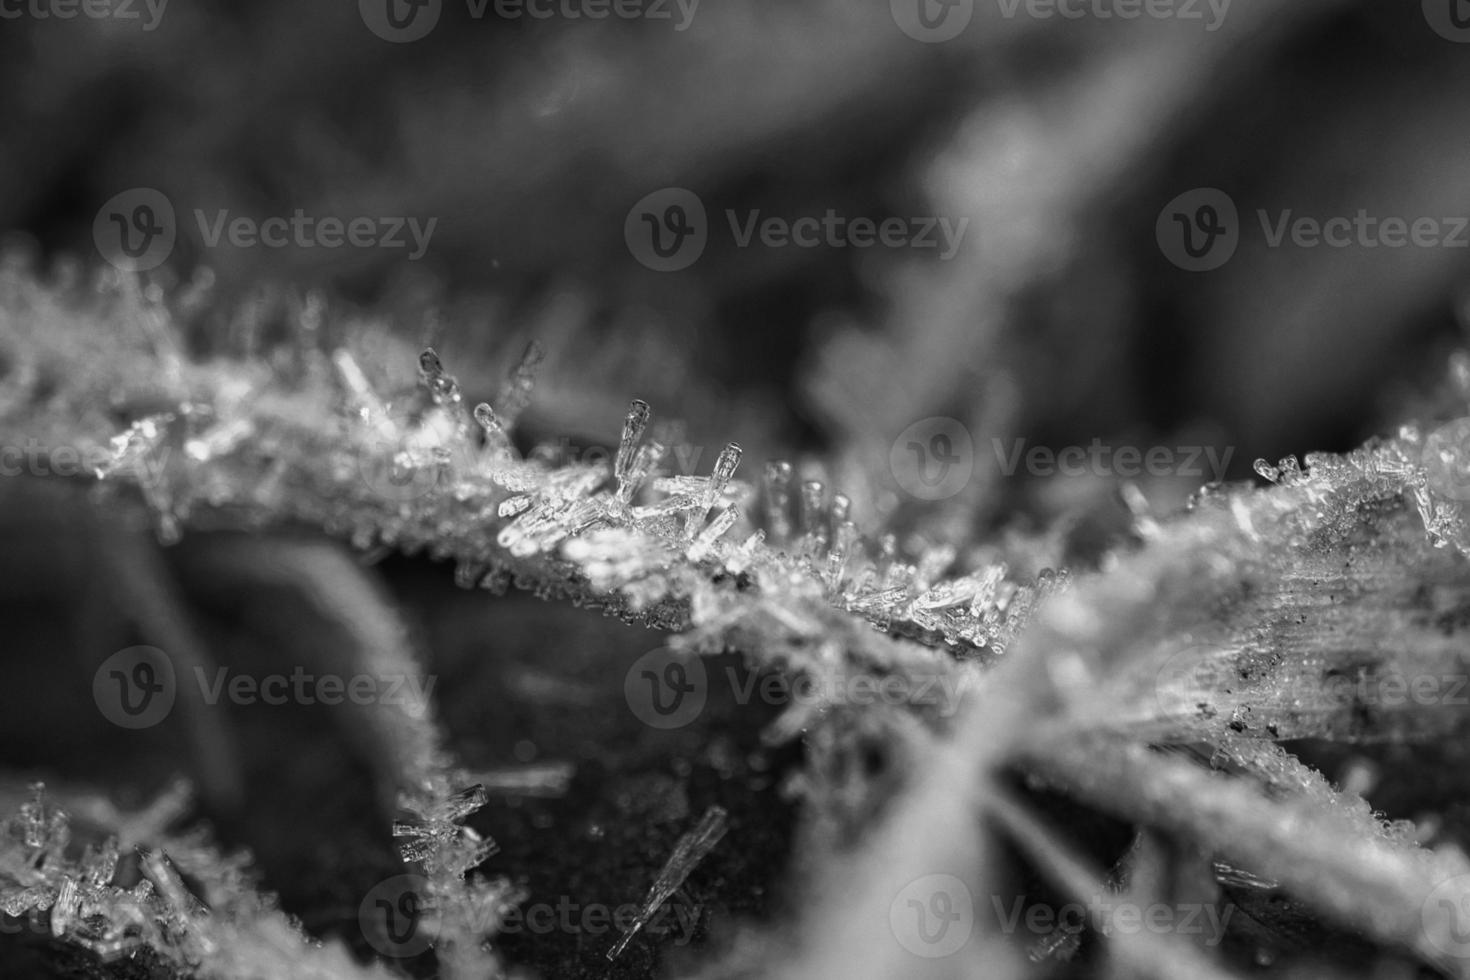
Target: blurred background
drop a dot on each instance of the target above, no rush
(533, 144)
(528, 139)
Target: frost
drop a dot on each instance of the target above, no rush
(1154, 687)
(228, 931)
(690, 850)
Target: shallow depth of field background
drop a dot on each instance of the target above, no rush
(1060, 139)
(1059, 321)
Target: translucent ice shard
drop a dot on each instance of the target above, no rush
(443, 388)
(777, 486)
(436, 836)
(741, 558)
(841, 508)
(32, 818)
(513, 506)
(100, 864)
(844, 542)
(170, 884)
(725, 465)
(713, 488)
(633, 426)
(497, 441)
(723, 521)
(361, 397)
(219, 440)
(645, 462)
(814, 516)
(690, 850)
(68, 902)
(515, 394)
(543, 780)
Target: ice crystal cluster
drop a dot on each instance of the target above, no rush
(1156, 688)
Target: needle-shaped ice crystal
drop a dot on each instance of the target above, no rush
(436, 835)
(443, 388)
(645, 462)
(513, 506)
(714, 487)
(723, 521)
(515, 394)
(690, 850)
(777, 486)
(497, 440)
(633, 426)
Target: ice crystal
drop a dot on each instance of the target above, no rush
(230, 931)
(1223, 627)
(690, 850)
